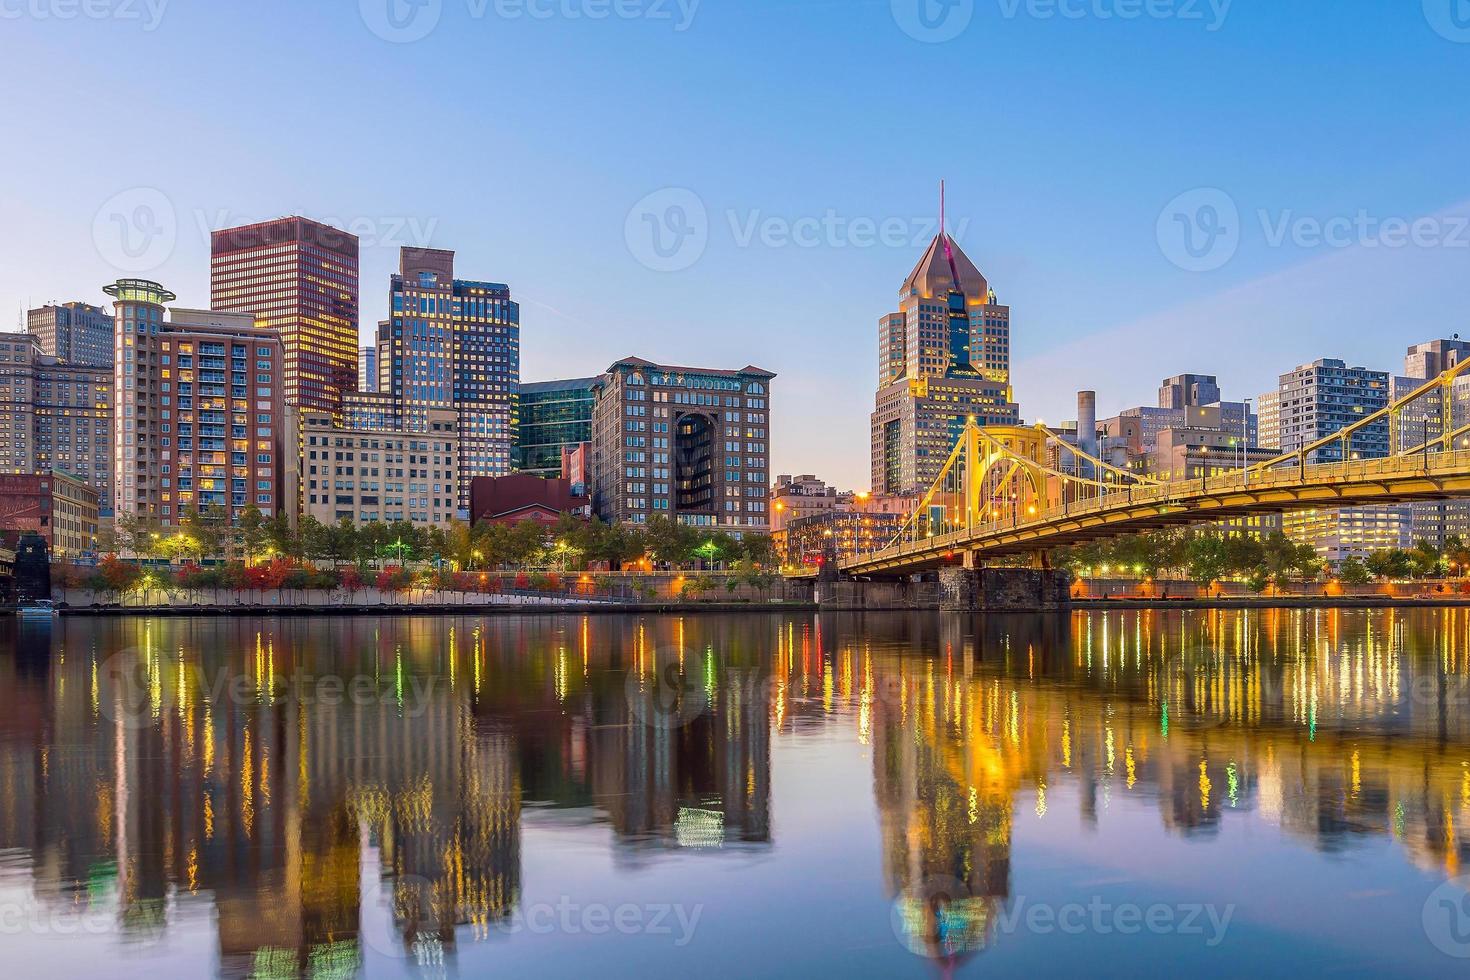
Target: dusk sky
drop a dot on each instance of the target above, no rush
(788, 153)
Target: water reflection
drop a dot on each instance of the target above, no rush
(281, 782)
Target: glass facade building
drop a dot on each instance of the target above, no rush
(453, 344)
(553, 416)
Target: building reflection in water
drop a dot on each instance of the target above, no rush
(287, 779)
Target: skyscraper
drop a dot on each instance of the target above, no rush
(453, 343)
(73, 333)
(297, 277)
(199, 419)
(944, 357)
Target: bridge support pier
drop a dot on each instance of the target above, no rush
(1004, 589)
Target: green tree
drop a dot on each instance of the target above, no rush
(1354, 571)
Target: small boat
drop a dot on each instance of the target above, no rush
(38, 609)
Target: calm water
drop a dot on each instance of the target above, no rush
(1212, 792)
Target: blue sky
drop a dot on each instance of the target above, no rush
(1314, 151)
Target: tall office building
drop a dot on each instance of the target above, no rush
(57, 417)
(73, 333)
(299, 278)
(453, 344)
(944, 357)
(199, 416)
(555, 417)
(1312, 402)
(690, 444)
(1423, 422)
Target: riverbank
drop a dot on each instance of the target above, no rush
(444, 609)
(1278, 602)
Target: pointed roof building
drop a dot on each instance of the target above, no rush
(945, 266)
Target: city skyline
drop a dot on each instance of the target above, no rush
(1058, 196)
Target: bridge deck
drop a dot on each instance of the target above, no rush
(1431, 476)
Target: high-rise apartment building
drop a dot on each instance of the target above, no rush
(387, 474)
(690, 444)
(199, 415)
(944, 357)
(554, 418)
(74, 333)
(1312, 402)
(453, 344)
(1423, 424)
(56, 417)
(297, 277)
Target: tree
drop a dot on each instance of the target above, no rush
(315, 539)
(760, 549)
(1354, 571)
(669, 541)
(1207, 557)
(250, 530)
(343, 541)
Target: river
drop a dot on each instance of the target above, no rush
(1112, 793)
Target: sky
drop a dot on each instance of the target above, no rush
(1154, 186)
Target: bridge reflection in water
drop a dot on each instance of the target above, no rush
(283, 819)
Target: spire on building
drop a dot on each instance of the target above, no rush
(945, 266)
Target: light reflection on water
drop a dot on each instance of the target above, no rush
(760, 794)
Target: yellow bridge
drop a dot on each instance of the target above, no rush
(1021, 491)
